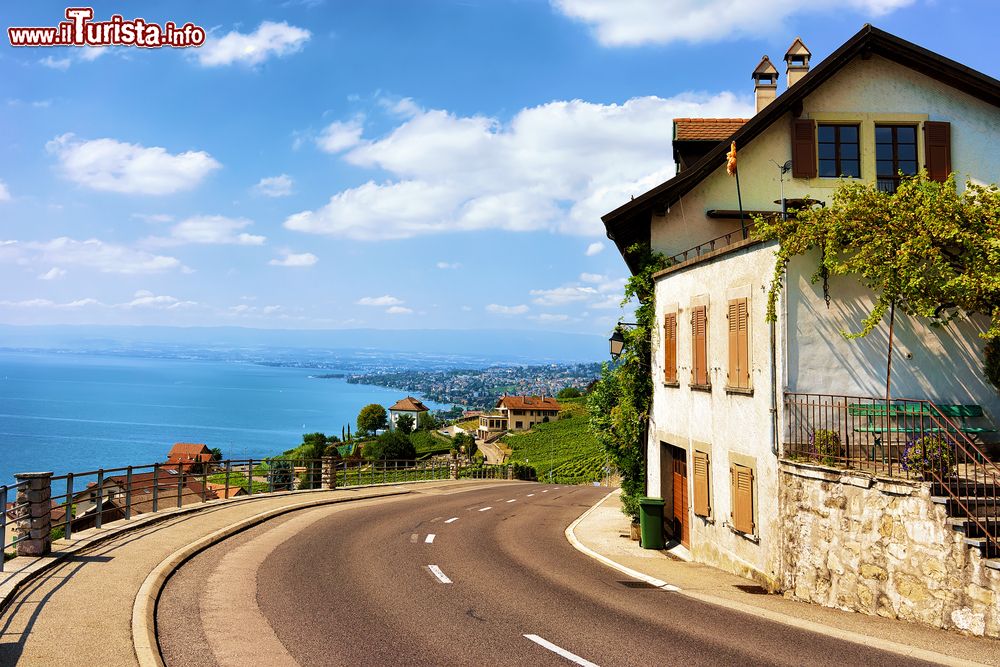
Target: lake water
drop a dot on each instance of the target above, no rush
(69, 413)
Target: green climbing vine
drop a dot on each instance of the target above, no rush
(928, 250)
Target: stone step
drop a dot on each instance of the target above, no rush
(977, 506)
(985, 547)
(992, 563)
(972, 529)
(964, 487)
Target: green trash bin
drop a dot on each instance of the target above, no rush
(651, 522)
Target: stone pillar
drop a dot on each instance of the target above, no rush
(34, 522)
(454, 469)
(329, 476)
(510, 472)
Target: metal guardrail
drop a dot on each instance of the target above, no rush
(718, 242)
(911, 439)
(93, 498)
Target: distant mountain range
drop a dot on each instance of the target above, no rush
(472, 347)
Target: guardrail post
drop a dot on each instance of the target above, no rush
(68, 532)
(35, 524)
(156, 487)
(99, 519)
(128, 493)
(250, 477)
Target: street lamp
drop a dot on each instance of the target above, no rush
(617, 339)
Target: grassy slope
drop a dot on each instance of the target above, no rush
(566, 445)
(430, 442)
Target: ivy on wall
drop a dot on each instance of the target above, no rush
(927, 250)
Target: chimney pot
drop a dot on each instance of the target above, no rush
(765, 83)
(796, 61)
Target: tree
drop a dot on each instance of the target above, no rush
(312, 445)
(405, 424)
(620, 401)
(926, 250)
(426, 422)
(371, 418)
(216, 453)
(569, 392)
(391, 445)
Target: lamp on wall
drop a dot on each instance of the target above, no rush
(617, 340)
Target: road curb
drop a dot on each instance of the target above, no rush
(147, 650)
(776, 617)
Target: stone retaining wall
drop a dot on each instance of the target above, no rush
(881, 546)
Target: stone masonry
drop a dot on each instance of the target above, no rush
(881, 546)
(34, 523)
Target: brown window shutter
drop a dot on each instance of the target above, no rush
(699, 370)
(742, 344)
(670, 347)
(734, 361)
(937, 150)
(702, 505)
(741, 485)
(803, 148)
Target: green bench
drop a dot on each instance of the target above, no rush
(875, 411)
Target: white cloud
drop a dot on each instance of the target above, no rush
(275, 186)
(562, 295)
(607, 303)
(558, 167)
(448, 265)
(294, 260)
(212, 230)
(91, 254)
(399, 310)
(339, 136)
(91, 53)
(593, 278)
(52, 274)
(636, 22)
(153, 217)
(277, 39)
(147, 299)
(506, 310)
(594, 248)
(384, 300)
(56, 63)
(4, 192)
(549, 317)
(114, 166)
(47, 303)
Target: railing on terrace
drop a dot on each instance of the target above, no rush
(717, 243)
(93, 498)
(912, 439)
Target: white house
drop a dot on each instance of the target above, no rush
(728, 386)
(406, 406)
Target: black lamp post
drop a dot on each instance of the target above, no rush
(617, 339)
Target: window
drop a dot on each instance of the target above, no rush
(670, 348)
(741, 494)
(838, 151)
(895, 151)
(739, 348)
(518, 425)
(702, 485)
(699, 347)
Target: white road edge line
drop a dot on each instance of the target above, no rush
(436, 571)
(485, 508)
(429, 539)
(777, 617)
(572, 657)
(452, 519)
(571, 536)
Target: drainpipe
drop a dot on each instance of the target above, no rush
(774, 391)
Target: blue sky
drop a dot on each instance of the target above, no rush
(389, 164)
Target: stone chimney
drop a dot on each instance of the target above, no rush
(765, 83)
(796, 61)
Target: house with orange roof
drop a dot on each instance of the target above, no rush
(406, 406)
(517, 413)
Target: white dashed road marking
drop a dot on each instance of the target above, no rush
(485, 508)
(572, 657)
(530, 494)
(512, 500)
(429, 539)
(452, 519)
(436, 571)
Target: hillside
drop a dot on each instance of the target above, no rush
(566, 449)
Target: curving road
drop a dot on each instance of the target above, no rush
(452, 577)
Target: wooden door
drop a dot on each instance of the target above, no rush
(680, 510)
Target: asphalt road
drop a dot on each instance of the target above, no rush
(353, 585)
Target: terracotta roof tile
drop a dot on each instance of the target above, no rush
(529, 403)
(706, 129)
(410, 404)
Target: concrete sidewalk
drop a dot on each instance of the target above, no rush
(604, 533)
(79, 611)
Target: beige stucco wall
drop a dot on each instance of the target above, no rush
(727, 426)
(876, 90)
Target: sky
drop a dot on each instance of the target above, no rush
(393, 164)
